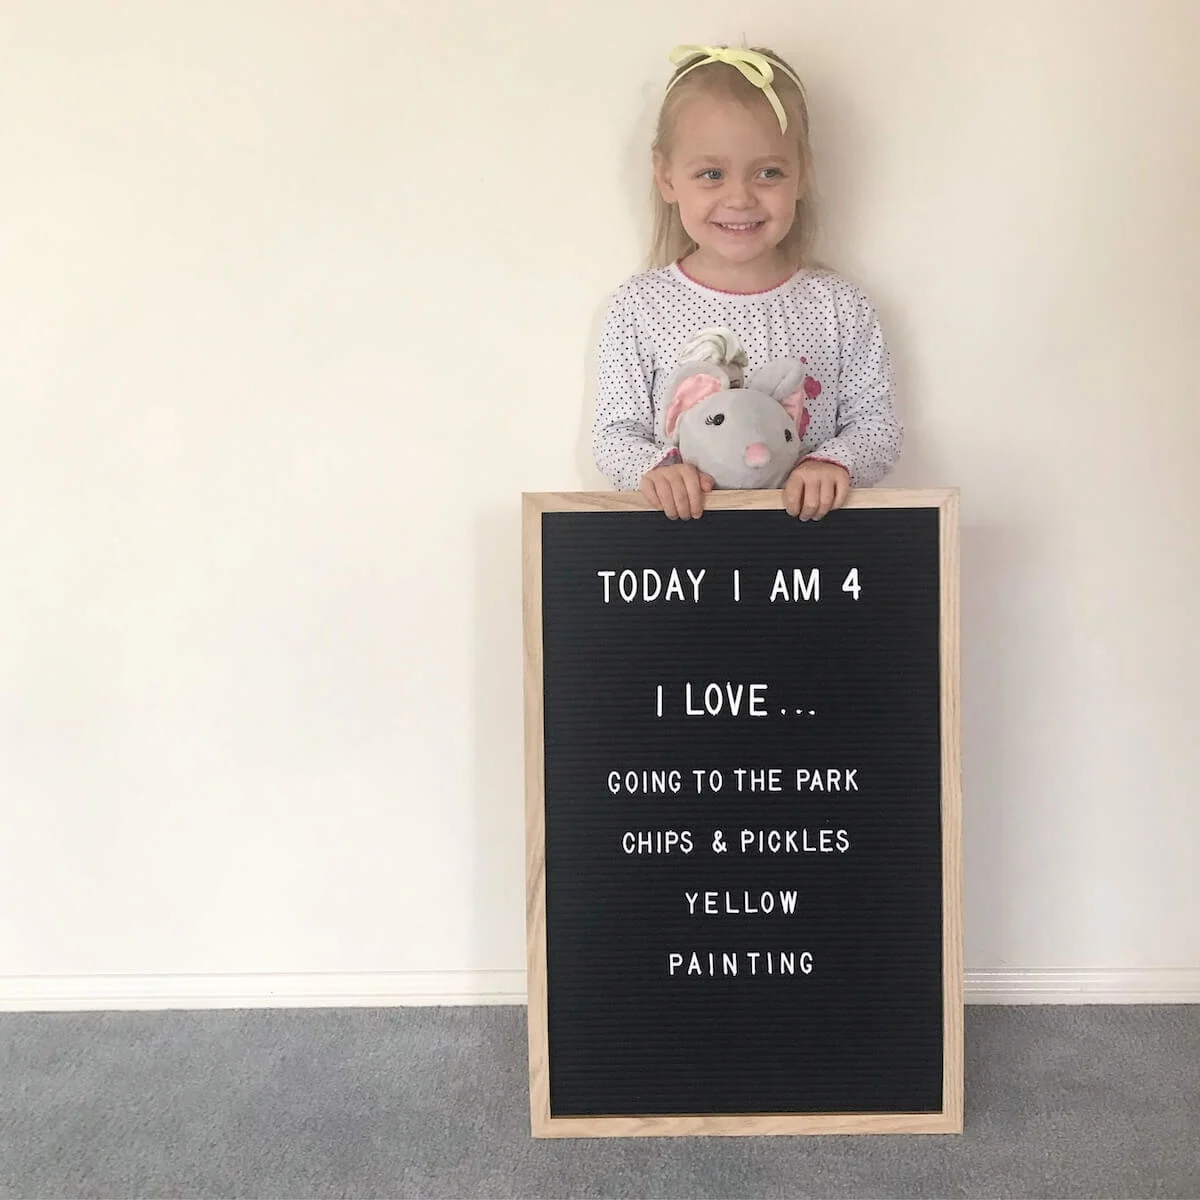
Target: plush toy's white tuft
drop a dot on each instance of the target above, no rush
(716, 344)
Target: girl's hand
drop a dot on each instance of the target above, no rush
(815, 488)
(677, 489)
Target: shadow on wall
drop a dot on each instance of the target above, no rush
(839, 173)
(497, 833)
(992, 685)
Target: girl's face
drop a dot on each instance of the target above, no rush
(735, 177)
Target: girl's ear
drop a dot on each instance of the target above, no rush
(662, 177)
(687, 393)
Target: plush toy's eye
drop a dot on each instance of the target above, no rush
(715, 419)
(787, 435)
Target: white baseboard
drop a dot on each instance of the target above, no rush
(1092, 985)
(31, 993)
(59, 993)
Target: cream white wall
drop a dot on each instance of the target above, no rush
(298, 297)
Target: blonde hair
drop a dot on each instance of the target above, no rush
(670, 241)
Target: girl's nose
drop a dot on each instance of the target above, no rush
(738, 195)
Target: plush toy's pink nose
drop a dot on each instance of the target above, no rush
(757, 454)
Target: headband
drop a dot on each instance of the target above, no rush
(757, 68)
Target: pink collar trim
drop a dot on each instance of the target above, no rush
(678, 264)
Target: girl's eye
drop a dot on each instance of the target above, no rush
(787, 435)
(715, 419)
(713, 173)
(772, 173)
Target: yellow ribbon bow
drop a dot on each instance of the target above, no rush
(757, 68)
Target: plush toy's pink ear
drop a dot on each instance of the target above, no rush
(687, 395)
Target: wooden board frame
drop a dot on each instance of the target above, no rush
(950, 1118)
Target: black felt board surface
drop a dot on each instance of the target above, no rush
(636, 1025)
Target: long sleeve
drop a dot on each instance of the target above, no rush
(624, 445)
(869, 434)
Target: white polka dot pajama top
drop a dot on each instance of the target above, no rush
(815, 315)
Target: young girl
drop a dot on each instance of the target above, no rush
(734, 223)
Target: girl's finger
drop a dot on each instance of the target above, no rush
(679, 490)
(843, 489)
(695, 495)
(812, 500)
(828, 492)
(793, 495)
(666, 498)
(670, 495)
(650, 492)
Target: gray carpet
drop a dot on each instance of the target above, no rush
(1061, 1102)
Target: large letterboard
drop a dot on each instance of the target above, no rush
(742, 753)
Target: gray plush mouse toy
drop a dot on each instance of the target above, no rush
(743, 435)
